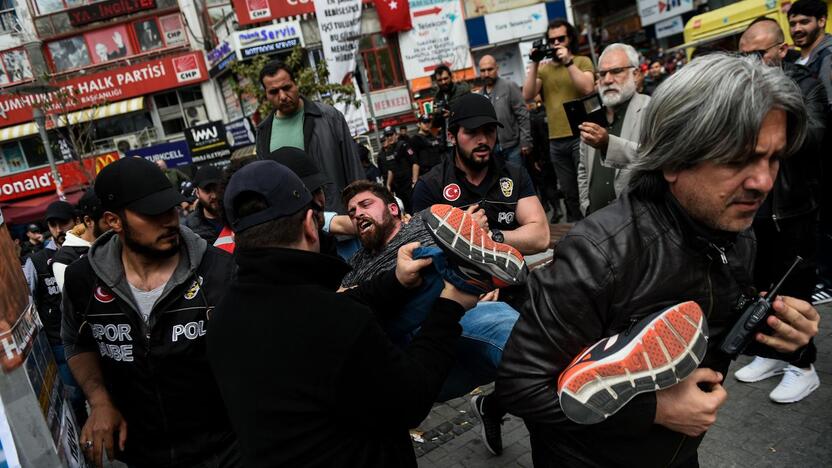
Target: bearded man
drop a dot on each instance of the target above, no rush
(607, 153)
(205, 221)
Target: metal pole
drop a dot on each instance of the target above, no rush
(588, 29)
(359, 62)
(40, 119)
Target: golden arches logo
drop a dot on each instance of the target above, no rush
(103, 160)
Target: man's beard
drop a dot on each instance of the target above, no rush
(623, 94)
(148, 251)
(211, 208)
(488, 81)
(375, 238)
(468, 160)
(809, 38)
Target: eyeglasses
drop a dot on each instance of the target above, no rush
(612, 71)
(761, 52)
(557, 39)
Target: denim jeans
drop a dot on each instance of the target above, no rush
(511, 155)
(485, 331)
(565, 154)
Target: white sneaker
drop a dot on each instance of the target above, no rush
(796, 385)
(760, 368)
(821, 295)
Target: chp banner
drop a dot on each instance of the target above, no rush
(394, 16)
(438, 36)
(339, 22)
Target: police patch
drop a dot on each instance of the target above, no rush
(507, 186)
(451, 192)
(103, 296)
(194, 289)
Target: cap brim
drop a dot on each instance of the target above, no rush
(315, 181)
(477, 122)
(156, 203)
(208, 182)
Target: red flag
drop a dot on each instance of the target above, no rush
(394, 16)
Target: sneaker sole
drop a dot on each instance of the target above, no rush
(462, 237)
(801, 396)
(765, 376)
(482, 427)
(666, 351)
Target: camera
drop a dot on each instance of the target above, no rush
(440, 106)
(541, 49)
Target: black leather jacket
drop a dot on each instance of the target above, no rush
(624, 262)
(797, 188)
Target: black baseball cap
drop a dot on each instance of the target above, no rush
(425, 118)
(60, 210)
(473, 111)
(389, 131)
(206, 176)
(90, 205)
(304, 167)
(136, 184)
(284, 193)
(33, 228)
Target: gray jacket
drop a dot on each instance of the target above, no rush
(512, 113)
(327, 141)
(820, 63)
(621, 152)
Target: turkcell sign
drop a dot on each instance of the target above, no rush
(175, 154)
(268, 39)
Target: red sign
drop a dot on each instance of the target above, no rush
(111, 85)
(259, 11)
(36, 181)
(108, 9)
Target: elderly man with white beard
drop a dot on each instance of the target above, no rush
(607, 153)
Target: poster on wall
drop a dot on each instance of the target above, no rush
(148, 34)
(438, 37)
(172, 29)
(653, 11)
(108, 44)
(17, 66)
(69, 53)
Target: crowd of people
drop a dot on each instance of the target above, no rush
(314, 304)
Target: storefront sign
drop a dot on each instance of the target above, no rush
(207, 142)
(438, 36)
(111, 85)
(670, 27)
(391, 101)
(36, 181)
(268, 39)
(260, 11)
(474, 8)
(107, 9)
(653, 11)
(513, 24)
(216, 55)
(340, 27)
(174, 154)
(239, 133)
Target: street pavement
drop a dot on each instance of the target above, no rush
(751, 430)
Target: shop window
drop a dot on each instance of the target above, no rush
(13, 158)
(122, 124)
(45, 7)
(14, 67)
(69, 53)
(381, 60)
(8, 16)
(180, 109)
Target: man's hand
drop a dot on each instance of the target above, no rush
(686, 408)
(525, 150)
(407, 268)
(467, 301)
(563, 54)
(492, 296)
(794, 322)
(594, 135)
(478, 215)
(104, 421)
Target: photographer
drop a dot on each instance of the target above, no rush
(448, 92)
(562, 78)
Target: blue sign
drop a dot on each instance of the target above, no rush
(174, 154)
(239, 133)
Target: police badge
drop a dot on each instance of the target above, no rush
(507, 186)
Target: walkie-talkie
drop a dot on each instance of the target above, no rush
(753, 316)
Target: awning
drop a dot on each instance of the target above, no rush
(85, 115)
(33, 209)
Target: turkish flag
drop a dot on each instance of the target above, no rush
(394, 16)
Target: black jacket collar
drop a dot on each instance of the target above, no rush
(702, 238)
(290, 266)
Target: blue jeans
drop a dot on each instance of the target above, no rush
(485, 331)
(512, 155)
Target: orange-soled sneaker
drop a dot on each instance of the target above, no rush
(655, 353)
(470, 246)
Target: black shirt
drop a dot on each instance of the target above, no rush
(601, 185)
(399, 160)
(429, 151)
(497, 194)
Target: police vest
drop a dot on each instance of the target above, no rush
(47, 296)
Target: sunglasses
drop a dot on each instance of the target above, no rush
(612, 71)
(557, 39)
(760, 52)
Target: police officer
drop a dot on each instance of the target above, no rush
(428, 148)
(137, 308)
(397, 158)
(499, 196)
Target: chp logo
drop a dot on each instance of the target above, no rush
(103, 296)
(507, 186)
(186, 68)
(451, 192)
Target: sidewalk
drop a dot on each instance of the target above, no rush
(751, 430)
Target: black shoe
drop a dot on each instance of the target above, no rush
(491, 427)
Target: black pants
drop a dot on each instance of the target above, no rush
(565, 157)
(777, 246)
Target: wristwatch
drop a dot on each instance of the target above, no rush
(569, 63)
(497, 236)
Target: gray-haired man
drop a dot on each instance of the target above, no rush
(606, 154)
(709, 154)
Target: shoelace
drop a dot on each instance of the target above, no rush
(790, 375)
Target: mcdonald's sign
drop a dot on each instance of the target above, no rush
(37, 181)
(104, 159)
